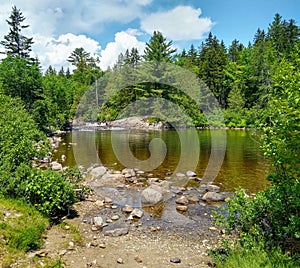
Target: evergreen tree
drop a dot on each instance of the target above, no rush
(212, 62)
(15, 43)
(158, 49)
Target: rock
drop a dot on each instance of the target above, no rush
(190, 173)
(128, 172)
(175, 260)
(120, 261)
(212, 228)
(151, 196)
(114, 207)
(56, 166)
(115, 217)
(62, 252)
(136, 213)
(67, 227)
(102, 246)
(193, 199)
(213, 188)
(107, 200)
(213, 197)
(98, 221)
(180, 175)
(182, 208)
(138, 259)
(99, 203)
(116, 229)
(127, 209)
(98, 172)
(111, 180)
(153, 180)
(182, 200)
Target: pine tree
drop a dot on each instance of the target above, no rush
(158, 49)
(15, 43)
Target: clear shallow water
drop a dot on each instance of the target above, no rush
(243, 164)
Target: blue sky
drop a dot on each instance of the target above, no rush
(106, 28)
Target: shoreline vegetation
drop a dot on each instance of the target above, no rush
(255, 85)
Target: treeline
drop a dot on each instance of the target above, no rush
(51, 98)
(240, 77)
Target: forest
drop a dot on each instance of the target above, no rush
(256, 85)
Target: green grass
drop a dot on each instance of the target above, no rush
(21, 230)
(255, 258)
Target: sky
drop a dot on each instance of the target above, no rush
(107, 28)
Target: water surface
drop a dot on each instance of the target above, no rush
(243, 164)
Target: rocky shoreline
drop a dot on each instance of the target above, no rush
(127, 220)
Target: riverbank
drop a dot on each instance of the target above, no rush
(117, 229)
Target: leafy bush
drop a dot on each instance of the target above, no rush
(49, 192)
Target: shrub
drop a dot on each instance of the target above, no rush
(49, 192)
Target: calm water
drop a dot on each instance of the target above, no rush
(232, 157)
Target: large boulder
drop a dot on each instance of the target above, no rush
(213, 197)
(151, 196)
(98, 172)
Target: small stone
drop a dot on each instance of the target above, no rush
(98, 221)
(94, 228)
(213, 188)
(114, 207)
(138, 259)
(182, 200)
(102, 246)
(193, 199)
(67, 227)
(63, 252)
(137, 213)
(109, 220)
(175, 260)
(190, 173)
(107, 200)
(180, 175)
(120, 261)
(127, 209)
(99, 203)
(182, 208)
(212, 228)
(115, 217)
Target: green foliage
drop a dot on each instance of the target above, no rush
(158, 49)
(49, 192)
(15, 43)
(272, 218)
(254, 257)
(19, 137)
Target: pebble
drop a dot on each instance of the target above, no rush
(120, 261)
(67, 227)
(182, 208)
(138, 259)
(102, 246)
(127, 209)
(115, 217)
(212, 228)
(175, 260)
(114, 207)
(182, 200)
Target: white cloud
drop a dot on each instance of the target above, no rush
(178, 24)
(123, 40)
(89, 16)
(55, 51)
